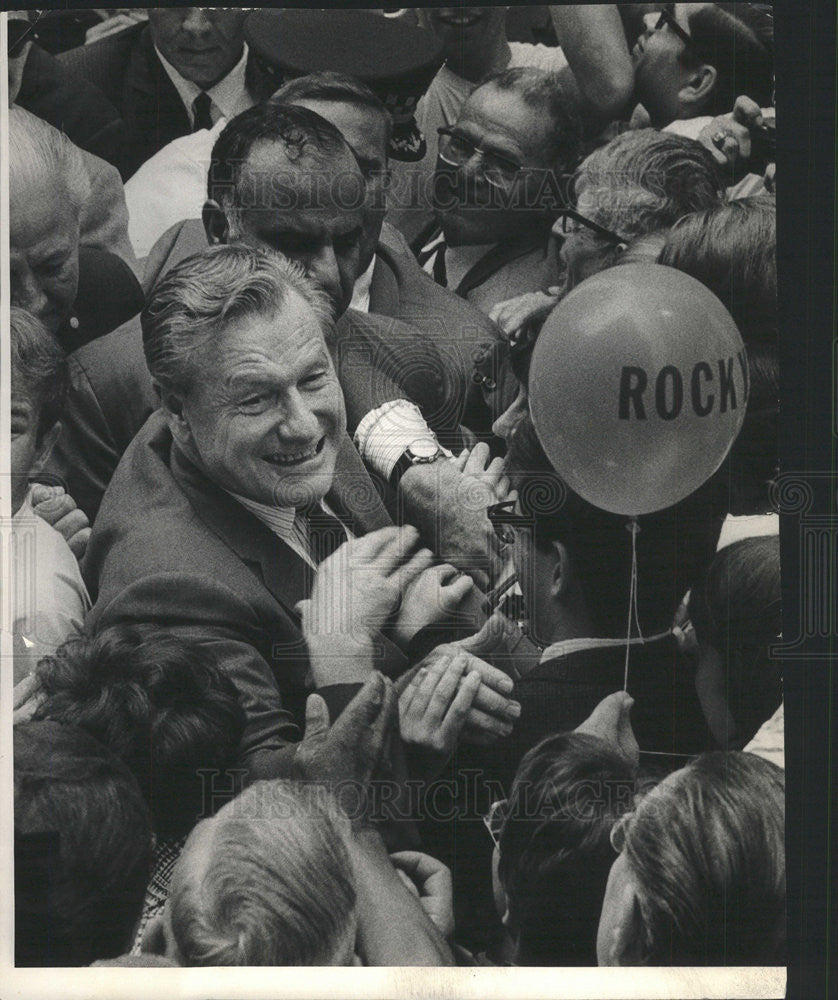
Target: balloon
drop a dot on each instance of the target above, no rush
(638, 386)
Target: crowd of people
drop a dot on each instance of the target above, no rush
(393, 437)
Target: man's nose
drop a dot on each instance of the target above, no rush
(197, 22)
(298, 424)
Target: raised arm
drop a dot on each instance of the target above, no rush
(592, 38)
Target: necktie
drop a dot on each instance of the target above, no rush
(201, 112)
(325, 533)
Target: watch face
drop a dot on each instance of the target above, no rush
(423, 448)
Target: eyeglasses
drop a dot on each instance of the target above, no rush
(569, 215)
(494, 820)
(618, 832)
(456, 150)
(504, 520)
(668, 18)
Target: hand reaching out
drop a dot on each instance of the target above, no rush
(355, 591)
(435, 705)
(432, 598)
(354, 748)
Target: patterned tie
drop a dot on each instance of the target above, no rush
(201, 112)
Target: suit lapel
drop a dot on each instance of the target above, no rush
(285, 574)
(499, 255)
(384, 287)
(155, 102)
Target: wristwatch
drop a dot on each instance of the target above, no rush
(423, 451)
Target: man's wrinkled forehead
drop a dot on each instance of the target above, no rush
(271, 179)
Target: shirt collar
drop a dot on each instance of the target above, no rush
(279, 519)
(361, 291)
(226, 95)
(568, 646)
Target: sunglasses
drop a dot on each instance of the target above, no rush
(494, 820)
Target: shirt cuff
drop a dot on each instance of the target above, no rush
(385, 432)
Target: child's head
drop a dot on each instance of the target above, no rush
(736, 612)
(554, 854)
(39, 388)
(161, 703)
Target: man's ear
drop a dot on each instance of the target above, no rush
(45, 447)
(215, 222)
(562, 574)
(623, 945)
(172, 405)
(695, 93)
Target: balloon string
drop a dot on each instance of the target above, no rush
(632, 610)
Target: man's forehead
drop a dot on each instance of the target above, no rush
(503, 116)
(272, 181)
(272, 158)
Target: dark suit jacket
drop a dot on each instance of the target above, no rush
(73, 105)
(561, 693)
(170, 548)
(511, 268)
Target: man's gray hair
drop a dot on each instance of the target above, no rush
(207, 292)
(272, 883)
(41, 157)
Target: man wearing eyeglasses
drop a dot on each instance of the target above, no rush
(692, 59)
(495, 187)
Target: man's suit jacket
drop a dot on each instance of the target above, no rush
(170, 548)
(511, 268)
(73, 105)
(151, 107)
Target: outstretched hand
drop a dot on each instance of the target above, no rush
(353, 749)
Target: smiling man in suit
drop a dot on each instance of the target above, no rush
(237, 487)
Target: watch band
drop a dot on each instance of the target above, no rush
(409, 458)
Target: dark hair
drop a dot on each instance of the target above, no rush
(302, 132)
(39, 368)
(82, 847)
(725, 37)
(736, 609)
(338, 87)
(732, 249)
(544, 92)
(673, 545)
(672, 174)
(555, 851)
(707, 852)
(160, 703)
